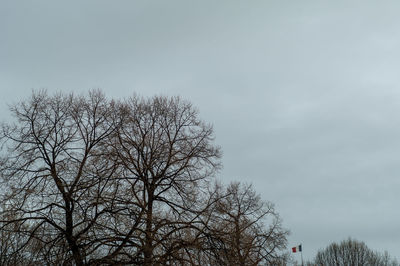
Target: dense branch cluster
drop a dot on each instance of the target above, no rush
(89, 181)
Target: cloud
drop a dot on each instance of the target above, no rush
(303, 96)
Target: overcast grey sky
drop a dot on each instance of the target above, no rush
(304, 95)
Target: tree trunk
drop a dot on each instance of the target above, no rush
(148, 244)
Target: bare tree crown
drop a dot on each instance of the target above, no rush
(91, 181)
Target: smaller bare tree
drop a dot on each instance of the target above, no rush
(352, 252)
(244, 230)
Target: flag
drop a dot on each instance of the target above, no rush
(296, 249)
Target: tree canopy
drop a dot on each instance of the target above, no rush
(92, 181)
(352, 252)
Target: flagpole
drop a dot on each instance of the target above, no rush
(302, 264)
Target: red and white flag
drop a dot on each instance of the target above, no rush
(296, 249)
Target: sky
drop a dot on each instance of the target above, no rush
(304, 95)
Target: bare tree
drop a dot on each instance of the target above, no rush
(244, 230)
(167, 155)
(55, 175)
(352, 252)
